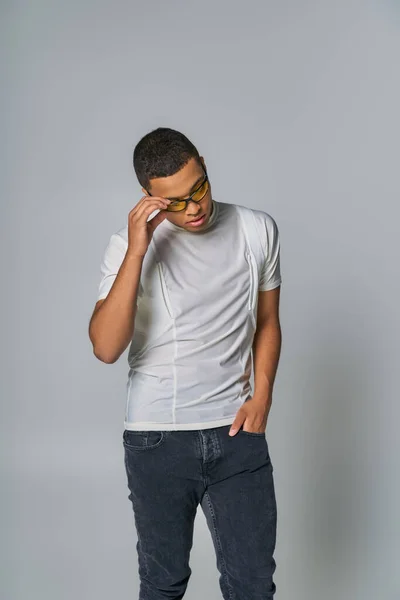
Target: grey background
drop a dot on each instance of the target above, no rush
(295, 107)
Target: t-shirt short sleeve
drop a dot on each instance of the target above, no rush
(270, 276)
(113, 257)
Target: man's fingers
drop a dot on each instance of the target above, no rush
(157, 219)
(236, 425)
(145, 209)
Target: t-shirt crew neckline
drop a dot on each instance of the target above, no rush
(213, 217)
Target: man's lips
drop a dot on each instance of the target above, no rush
(195, 220)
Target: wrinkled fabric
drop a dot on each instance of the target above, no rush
(190, 358)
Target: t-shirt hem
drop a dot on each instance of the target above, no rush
(151, 426)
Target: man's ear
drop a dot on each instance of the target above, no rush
(145, 192)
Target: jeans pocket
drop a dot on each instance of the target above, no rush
(252, 433)
(142, 440)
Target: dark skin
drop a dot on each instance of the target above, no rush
(253, 414)
(181, 185)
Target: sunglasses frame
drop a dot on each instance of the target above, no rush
(186, 200)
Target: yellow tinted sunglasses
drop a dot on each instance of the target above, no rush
(178, 204)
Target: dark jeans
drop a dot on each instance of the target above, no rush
(169, 474)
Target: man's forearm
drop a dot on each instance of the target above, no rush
(266, 352)
(112, 325)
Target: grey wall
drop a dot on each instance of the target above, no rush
(295, 107)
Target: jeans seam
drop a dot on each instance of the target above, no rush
(219, 547)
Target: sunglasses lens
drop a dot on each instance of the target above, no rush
(178, 205)
(201, 191)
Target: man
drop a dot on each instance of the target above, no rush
(186, 290)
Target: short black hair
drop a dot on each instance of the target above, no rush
(161, 153)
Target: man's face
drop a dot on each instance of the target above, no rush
(181, 185)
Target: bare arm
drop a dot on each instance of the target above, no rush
(268, 336)
(253, 413)
(112, 324)
(266, 346)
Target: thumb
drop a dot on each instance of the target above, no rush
(155, 221)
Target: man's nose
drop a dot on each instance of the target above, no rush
(192, 208)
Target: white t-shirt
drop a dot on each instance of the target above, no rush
(190, 356)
